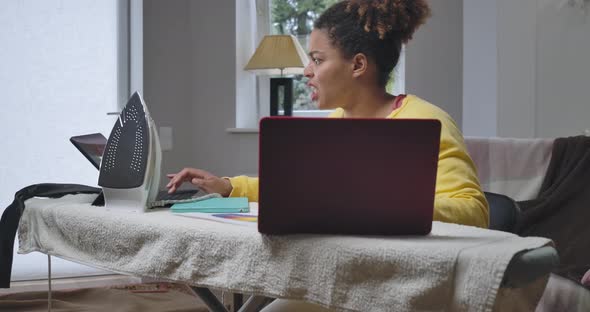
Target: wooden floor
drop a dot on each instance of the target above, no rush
(161, 297)
(70, 283)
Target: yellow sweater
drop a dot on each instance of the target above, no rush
(458, 197)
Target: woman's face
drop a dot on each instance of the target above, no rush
(329, 73)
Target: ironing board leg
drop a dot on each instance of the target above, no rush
(49, 283)
(209, 298)
(238, 301)
(255, 303)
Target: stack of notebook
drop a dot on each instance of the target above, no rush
(213, 205)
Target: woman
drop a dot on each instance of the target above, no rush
(354, 47)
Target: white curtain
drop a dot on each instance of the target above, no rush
(59, 78)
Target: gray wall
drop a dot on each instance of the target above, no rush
(189, 66)
(516, 68)
(167, 77)
(434, 58)
(189, 84)
(528, 67)
(563, 72)
(525, 69)
(480, 68)
(214, 92)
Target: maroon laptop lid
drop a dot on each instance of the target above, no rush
(347, 176)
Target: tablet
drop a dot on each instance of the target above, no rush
(91, 146)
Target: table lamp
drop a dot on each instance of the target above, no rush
(279, 55)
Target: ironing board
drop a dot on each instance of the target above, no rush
(342, 272)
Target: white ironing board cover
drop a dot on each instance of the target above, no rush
(456, 268)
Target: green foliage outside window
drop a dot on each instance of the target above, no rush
(296, 17)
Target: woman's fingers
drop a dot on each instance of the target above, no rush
(178, 178)
(185, 175)
(213, 184)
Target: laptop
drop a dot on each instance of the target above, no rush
(347, 176)
(92, 147)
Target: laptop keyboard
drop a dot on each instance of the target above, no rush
(178, 195)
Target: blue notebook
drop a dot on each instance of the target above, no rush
(214, 205)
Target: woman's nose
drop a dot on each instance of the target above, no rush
(307, 72)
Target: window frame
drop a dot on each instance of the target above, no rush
(252, 24)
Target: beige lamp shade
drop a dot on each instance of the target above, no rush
(278, 55)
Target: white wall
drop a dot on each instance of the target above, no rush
(434, 58)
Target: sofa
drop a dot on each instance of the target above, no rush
(549, 180)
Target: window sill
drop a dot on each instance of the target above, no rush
(242, 130)
(297, 113)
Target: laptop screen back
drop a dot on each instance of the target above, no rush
(347, 176)
(91, 146)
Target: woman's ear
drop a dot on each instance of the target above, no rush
(359, 65)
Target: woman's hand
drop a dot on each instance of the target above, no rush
(200, 178)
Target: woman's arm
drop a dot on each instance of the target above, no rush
(243, 186)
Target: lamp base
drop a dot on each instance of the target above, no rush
(287, 85)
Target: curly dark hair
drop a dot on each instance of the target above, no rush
(376, 28)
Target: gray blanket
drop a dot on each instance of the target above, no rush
(457, 268)
(562, 210)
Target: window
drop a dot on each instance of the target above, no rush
(72, 67)
(293, 17)
(296, 17)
